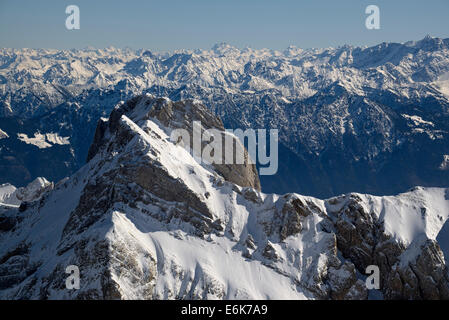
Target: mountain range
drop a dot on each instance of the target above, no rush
(144, 219)
(350, 119)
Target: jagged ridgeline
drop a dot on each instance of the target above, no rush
(143, 219)
(371, 120)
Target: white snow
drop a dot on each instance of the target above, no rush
(196, 258)
(411, 215)
(54, 138)
(6, 190)
(417, 120)
(43, 141)
(445, 163)
(407, 217)
(442, 83)
(187, 264)
(10, 195)
(3, 134)
(297, 73)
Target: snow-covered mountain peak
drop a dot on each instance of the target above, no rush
(143, 219)
(10, 195)
(331, 106)
(146, 112)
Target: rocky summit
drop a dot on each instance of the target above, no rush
(144, 219)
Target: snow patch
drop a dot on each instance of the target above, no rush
(3, 134)
(411, 215)
(43, 141)
(6, 190)
(417, 120)
(443, 84)
(12, 196)
(445, 164)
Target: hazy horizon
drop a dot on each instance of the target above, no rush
(198, 24)
(218, 43)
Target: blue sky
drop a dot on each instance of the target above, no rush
(175, 24)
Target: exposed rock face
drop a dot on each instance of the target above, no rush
(416, 271)
(344, 284)
(143, 219)
(424, 276)
(32, 192)
(180, 115)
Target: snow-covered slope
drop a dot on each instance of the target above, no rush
(6, 190)
(12, 196)
(143, 219)
(49, 77)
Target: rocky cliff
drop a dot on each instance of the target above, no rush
(143, 219)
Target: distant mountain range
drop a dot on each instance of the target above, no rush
(371, 120)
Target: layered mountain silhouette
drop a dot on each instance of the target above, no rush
(144, 219)
(371, 120)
